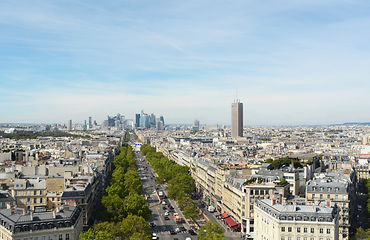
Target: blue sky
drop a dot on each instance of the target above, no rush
(291, 62)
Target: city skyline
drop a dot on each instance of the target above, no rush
(293, 63)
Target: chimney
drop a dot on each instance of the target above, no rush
(24, 211)
(8, 206)
(314, 207)
(273, 201)
(57, 209)
(294, 206)
(31, 215)
(328, 202)
(54, 214)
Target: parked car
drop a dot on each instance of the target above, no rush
(166, 218)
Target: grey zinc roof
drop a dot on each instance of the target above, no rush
(301, 212)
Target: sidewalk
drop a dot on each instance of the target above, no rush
(211, 216)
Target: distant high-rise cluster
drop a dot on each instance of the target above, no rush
(237, 119)
(144, 120)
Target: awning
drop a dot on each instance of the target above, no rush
(229, 221)
(224, 215)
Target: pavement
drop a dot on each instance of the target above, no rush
(151, 188)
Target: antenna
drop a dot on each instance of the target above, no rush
(237, 95)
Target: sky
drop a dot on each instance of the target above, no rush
(288, 62)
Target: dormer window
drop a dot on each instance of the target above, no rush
(329, 189)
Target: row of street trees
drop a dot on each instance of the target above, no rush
(180, 185)
(122, 208)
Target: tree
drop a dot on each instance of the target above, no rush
(134, 204)
(114, 206)
(210, 231)
(133, 227)
(184, 201)
(361, 234)
(101, 231)
(191, 212)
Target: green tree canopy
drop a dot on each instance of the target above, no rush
(210, 231)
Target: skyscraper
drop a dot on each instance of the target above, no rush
(137, 120)
(195, 125)
(69, 125)
(90, 122)
(237, 119)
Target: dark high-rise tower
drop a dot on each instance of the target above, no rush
(237, 119)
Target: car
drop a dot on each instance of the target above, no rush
(164, 203)
(170, 207)
(151, 224)
(182, 229)
(175, 239)
(172, 232)
(188, 238)
(164, 208)
(166, 218)
(154, 236)
(166, 213)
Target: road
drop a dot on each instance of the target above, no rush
(151, 188)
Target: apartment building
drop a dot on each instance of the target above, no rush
(240, 194)
(337, 189)
(5, 199)
(84, 191)
(275, 221)
(61, 223)
(29, 193)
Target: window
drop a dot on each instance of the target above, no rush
(305, 230)
(40, 192)
(60, 236)
(267, 192)
(256, 192)
(313, 196)
(336, 197)
(305, 238)
(251, 192)
(50, 238)
(261, 192)
(34, 192)
(40, 200)
(298, 238)
(321, 231)
(321, 196)
(312, 230)
(312, 238)
(328, 231)
(28, 199)
(344, 198)
(321, 239)
(298, 230)
(43, 238)
(251, 207)
(67, 236)
(36, 238)
(321, 189)
(251, 200)
(34, 200)
(328, 196)
(289, 229)
(283, 229)
(289, 238)
(282, 238)
(329, 189)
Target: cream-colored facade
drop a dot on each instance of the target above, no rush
(338, 190)
(274, 221)
(238, 199)
(58, 224)
(29, 193)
